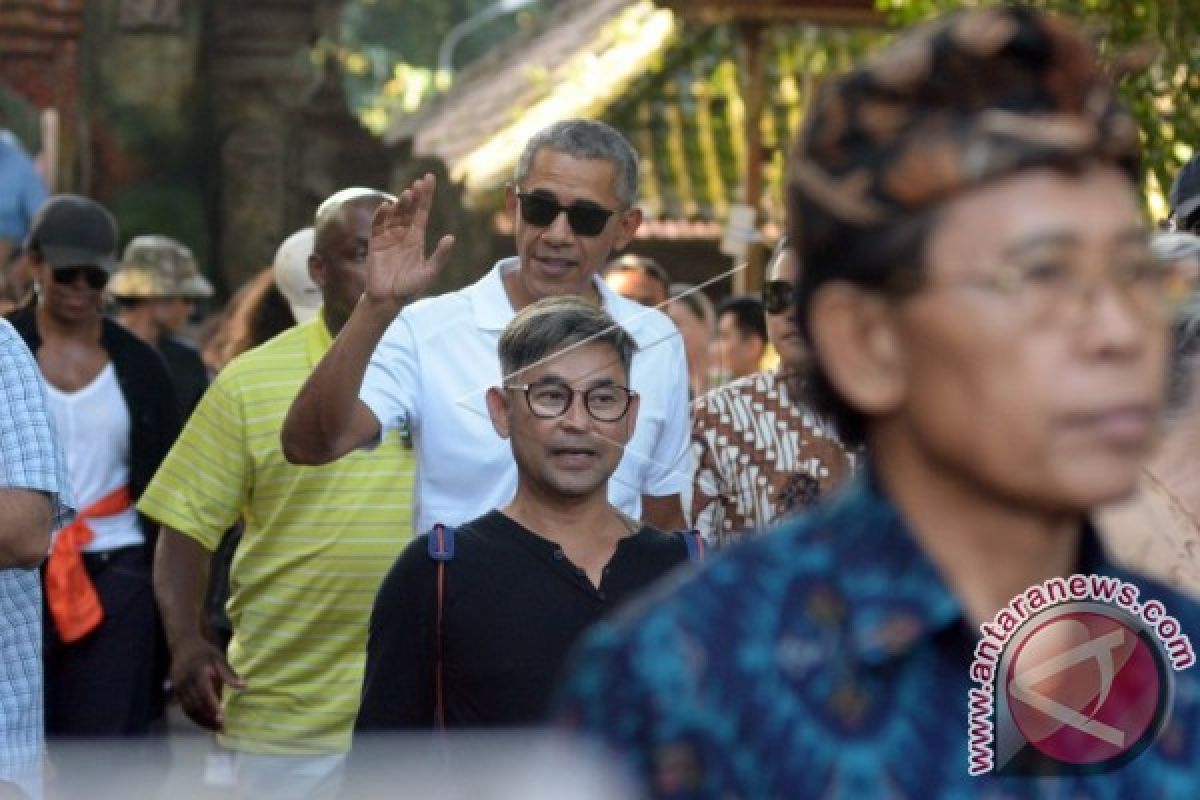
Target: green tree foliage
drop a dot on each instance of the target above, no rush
(389, 48)
(1165, 97)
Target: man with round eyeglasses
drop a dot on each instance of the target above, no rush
(428, 362)
(481, 644)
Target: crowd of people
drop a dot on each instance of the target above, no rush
(343, 507)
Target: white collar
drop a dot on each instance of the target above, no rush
(492, 308)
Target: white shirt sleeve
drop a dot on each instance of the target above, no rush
(669, 471)
(390, 386)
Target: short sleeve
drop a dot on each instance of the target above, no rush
(30, 452)
(202, 485)
(389, 387)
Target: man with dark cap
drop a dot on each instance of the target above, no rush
(1184, 198)
(984, 312)
(116, 420)
(157, 288)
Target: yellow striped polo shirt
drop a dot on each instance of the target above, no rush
(317, 543)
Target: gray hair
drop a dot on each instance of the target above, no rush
(1169, 247)
(1185, 346)
(590, 140)
(554, 324)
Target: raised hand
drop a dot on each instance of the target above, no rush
(398, 271)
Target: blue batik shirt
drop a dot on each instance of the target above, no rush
(30, 458)
(827, 659)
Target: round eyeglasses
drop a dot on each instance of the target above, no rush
(604, 403)
(1054, 293)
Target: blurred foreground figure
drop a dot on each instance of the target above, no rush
(316, 544)
(157, 288)
(1158, 531)
(33, 502)
(760, 453)
(476, 636)
(116, 416)
(984, 311)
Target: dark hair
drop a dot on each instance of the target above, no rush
(641, 264)
(554, 324)
(129, 303)
(1185, 346)
(748, 314)
(881, 260)
(257, 312)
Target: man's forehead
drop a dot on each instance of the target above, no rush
(576, 364)
(1097, 206)
(571, 178)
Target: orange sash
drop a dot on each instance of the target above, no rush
(70, 593)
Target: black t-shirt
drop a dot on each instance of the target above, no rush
(513, 607)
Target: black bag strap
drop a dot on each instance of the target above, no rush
(441, 550)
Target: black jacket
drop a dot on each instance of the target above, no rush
(146, 385)
(188, 373)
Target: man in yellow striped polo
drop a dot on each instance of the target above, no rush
(317, 543)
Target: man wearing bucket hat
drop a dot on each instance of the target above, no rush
(104, 655)
(156, 289)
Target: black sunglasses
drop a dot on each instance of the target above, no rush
(96, 277)
(586, 219)
(1190, 224)
(778, 296)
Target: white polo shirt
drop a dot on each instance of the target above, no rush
(433, 368)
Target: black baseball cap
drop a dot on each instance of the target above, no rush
(1185, 190)
(70, 230)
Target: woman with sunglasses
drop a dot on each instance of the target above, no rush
(116, 418)
(749, 475)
